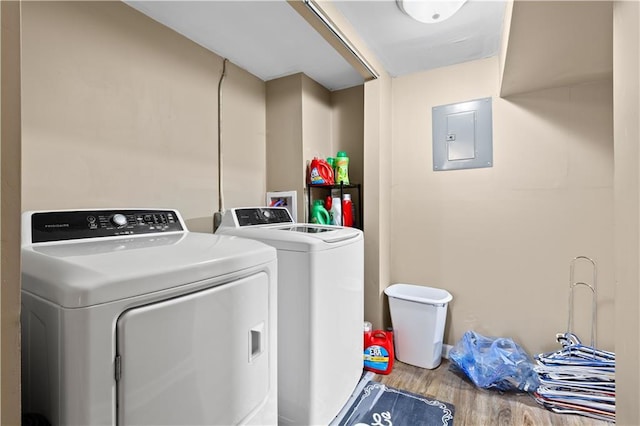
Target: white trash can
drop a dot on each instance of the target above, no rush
(418, 316)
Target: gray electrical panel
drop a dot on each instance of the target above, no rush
(462, 135)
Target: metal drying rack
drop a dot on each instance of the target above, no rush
(594, 294)
(578, 379)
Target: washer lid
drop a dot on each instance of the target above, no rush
(274, 226)
(298, 236)
(89, 272)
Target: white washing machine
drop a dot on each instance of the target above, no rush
(320, 310)
(129, 319)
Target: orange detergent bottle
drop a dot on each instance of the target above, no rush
(378, 351)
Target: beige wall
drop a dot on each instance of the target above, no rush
(298, 129)
(243, 131)
(348, 128)
(376, 196)
(121, 111)
(10, 213)
(500, 239)
(316, 129)
(626, 94)
(285, 168)
(305, 120)
(316, 120)
(348, 135)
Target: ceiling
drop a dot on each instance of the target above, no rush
(269, 39)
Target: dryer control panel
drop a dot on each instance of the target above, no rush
(78, 224)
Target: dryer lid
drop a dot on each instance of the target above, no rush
(82, 273)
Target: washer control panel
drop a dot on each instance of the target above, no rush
(262, 216)
(71, 225)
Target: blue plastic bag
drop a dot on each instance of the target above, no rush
(494, 363)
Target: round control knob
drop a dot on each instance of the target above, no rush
(119, 220)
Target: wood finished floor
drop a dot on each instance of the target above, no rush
(473, 406)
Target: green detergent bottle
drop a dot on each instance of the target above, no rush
(341, 163)
(319, 214)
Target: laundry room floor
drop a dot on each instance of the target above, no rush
(475, 406)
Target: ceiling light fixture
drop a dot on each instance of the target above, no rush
(430, 11)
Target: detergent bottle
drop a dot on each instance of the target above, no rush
(320, 172)
(378, 351)
(347, 210)
(341, 163)
(336, 208)
(368, 328)
(319, 214)
(332, 163)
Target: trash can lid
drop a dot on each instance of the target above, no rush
(417, 293)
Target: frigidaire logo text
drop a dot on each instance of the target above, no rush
(57, 225)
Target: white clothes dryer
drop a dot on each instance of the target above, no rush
(130, 319)
(320, 310)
